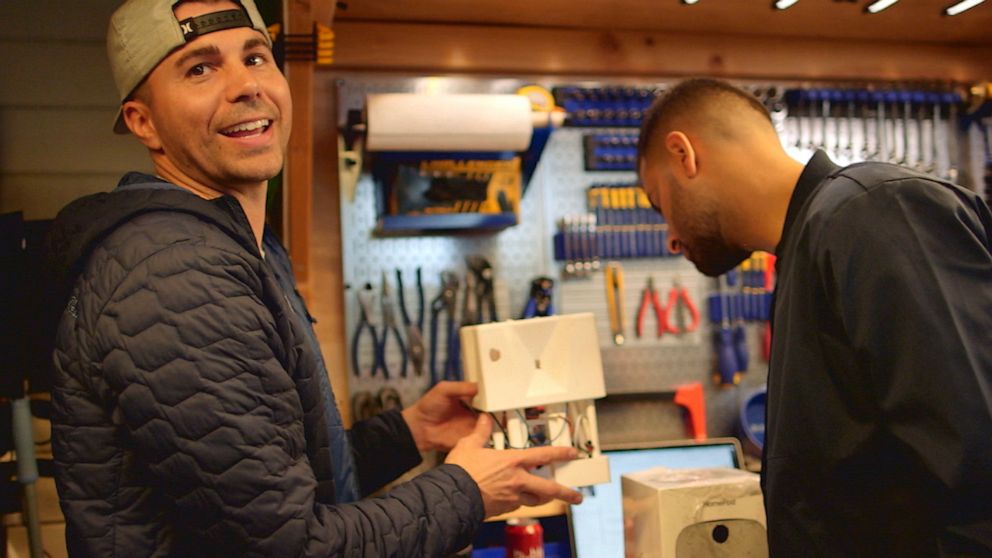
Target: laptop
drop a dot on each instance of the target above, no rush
(596, 525)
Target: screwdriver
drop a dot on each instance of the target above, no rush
(740, 334)
(724, 340)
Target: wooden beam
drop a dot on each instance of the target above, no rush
(298, 171)
(316, 244)
(415, 47)
(323, 11)
(327, 303)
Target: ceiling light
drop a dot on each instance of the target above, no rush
(961, 7)
(689, 2)
(783, 4)
(879, 5)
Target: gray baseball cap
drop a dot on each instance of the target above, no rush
(143, 32)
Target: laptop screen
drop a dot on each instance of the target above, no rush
(597, 523)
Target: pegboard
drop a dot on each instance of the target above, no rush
(641, 375)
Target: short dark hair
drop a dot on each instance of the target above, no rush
(685, 98)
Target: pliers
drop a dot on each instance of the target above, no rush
(445, 303)
(365, 298)
(679, 302)
(414, 330)
(482, 272)
(650, 299)
(389, 326)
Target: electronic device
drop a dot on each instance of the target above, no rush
(597, 523)
(538, 378)
(714, 512)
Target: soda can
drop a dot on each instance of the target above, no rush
(524, 538)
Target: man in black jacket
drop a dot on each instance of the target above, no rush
(879, 427)
(193, 416)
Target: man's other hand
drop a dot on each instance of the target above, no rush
(503, 475)
(442, 417)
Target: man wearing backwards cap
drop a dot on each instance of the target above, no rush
(193, 415)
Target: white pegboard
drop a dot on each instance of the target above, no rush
(645, 370)
(521, 253)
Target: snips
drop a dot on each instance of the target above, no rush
(680, 303)
(650, 300)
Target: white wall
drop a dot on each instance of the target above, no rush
(57, 105)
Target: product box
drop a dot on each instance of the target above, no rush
(693, 513)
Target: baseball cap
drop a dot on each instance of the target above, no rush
(143, 32)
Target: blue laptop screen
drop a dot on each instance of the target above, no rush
(597, 523)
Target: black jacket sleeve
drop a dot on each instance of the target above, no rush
(909, 269)
(194, 360)
(383, 448)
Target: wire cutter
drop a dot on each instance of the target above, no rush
(365, 314)
(482, 271)
(680, 302)
(414, 330)
(650, 299)
(614, 300)
(389, 326)
(445, 303)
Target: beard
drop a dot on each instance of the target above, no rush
(714, 258)
(702, 240)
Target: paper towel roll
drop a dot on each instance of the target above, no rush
(468, 122)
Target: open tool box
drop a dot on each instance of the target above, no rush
(428, 191)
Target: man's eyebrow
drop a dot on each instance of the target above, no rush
(209, 50)
(255, 42)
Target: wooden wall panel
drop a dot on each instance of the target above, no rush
(40, 196)
(57, 106)
(908, 21)
(66, 140)
(539, 50)
(298, 171)
(56, 74)
(56, 20)
(326, 297)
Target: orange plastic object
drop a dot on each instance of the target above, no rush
(690, 398)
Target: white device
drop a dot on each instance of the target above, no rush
(694, 513)
(539, 378)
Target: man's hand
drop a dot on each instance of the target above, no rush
(503, 476)
(442, 417)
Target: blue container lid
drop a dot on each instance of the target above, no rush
(752, 418)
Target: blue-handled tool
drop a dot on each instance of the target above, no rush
(444, 303)
(414, 330)
(540, 302)
(728, 369)
(389, 326)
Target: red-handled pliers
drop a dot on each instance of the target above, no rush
(679, 302)
(649, 298)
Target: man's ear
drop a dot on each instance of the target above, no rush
(138, 118)
(678, 145)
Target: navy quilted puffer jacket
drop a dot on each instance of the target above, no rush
(188, 410)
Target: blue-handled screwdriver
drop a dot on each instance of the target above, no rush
(724, 340)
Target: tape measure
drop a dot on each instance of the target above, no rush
(540, 98)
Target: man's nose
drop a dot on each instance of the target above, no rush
(244, 85)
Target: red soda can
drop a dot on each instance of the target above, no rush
(524, 538)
